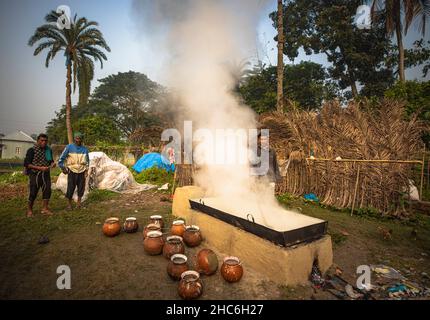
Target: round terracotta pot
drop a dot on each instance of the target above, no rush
(111, 227)
(178, 228)
(190, 286)
(192, 236)
(130, 225)
(173, 245)
(157, 219)
(207, 262)
(149, 228)
(176, 266)
(153, 243)
(231, 269)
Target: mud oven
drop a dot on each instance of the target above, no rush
(284, 254)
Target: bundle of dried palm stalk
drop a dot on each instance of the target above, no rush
(353, 132)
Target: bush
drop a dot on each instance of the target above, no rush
(154, 175)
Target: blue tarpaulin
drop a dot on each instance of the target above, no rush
(311, 197)
(151, 160)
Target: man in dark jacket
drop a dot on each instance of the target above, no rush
(264, 167)
(38, 162)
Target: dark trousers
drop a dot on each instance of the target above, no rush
(37, 180)
(75, 180)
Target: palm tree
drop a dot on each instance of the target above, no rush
(393, 11)
(280, 68)
(81, 43)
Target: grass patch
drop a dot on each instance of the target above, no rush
(12, 178)
(98, 195)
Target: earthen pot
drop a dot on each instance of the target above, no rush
(153, 243)
(190, 286)
(157, 219)
(173, 245)
(149, 228)
(178, 228)
(176, 266)
(207, 262)
(231, 269)
(130, 225)
(192, 236)
(111, 227)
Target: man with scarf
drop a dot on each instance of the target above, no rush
(38, 162)
(74, 161)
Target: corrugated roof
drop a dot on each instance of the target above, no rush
(18, 136)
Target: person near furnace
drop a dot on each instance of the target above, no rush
(272, 175)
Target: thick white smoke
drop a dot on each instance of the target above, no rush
(202, 39)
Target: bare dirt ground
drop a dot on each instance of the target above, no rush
(118, 268)
(106, 268)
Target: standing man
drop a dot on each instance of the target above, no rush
(74, 161)
(38, 162)
(272, 175)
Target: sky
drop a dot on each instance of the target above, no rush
(30, 93)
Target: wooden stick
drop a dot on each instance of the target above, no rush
(356, 188)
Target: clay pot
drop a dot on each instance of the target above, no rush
(176, 266)
(231, 269)
(157, 219)
(192, 236)
(149, 228)
(153, 243)
(130, 225)
(111, 227)
(173, 245)
(178, 228)
(207, 262)
(190, 286)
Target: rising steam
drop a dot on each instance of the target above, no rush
(201, 40)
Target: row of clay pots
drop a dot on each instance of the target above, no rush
(154, 244)
(112, 226)
(190, 285)
(207, 264)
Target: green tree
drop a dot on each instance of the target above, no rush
(398, 16)
(419, 55)
(327, 27)
(82, 43)
(304, 83)
(98, 129)
(133, 97)
(417, 98)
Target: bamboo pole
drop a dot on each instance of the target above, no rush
(356, 188)
(367, 161)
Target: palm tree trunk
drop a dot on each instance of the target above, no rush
(280, 69)
(69, 103)
(401, 53)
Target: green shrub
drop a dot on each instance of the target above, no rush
(154, 175)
